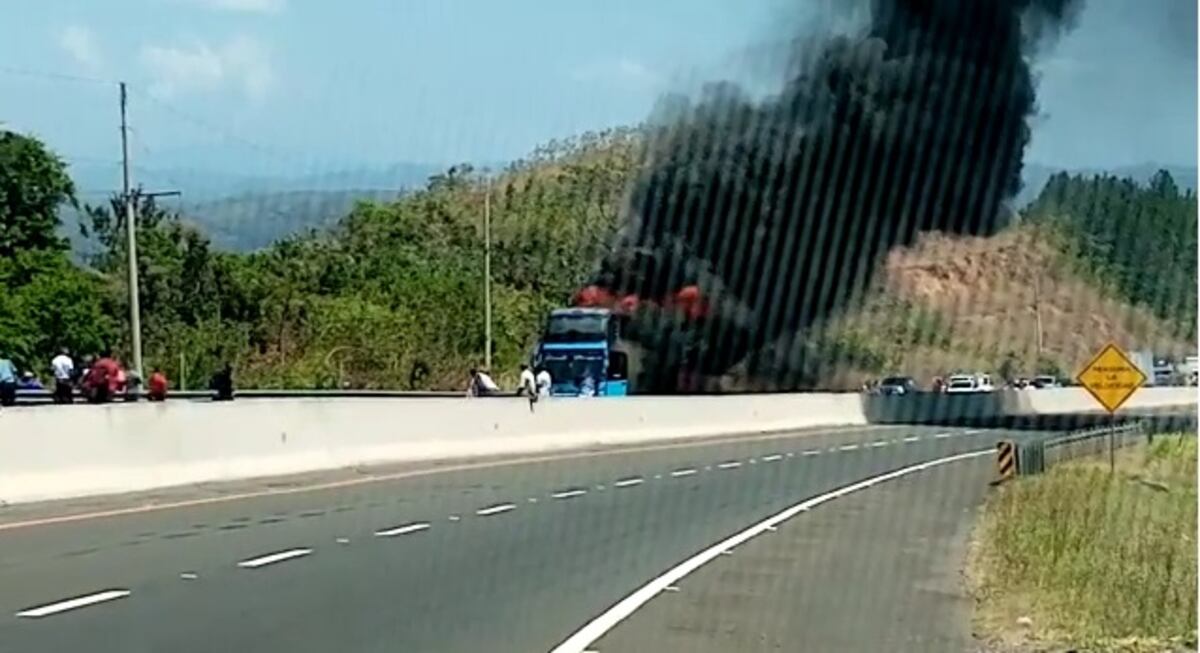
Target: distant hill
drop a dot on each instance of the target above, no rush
(254, 220)
(244, 212)
(247, 212)
(1035, 175)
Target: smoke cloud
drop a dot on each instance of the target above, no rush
(771, 213)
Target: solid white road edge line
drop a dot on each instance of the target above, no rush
(495, 510)
(72, 604)
(596, 629)
(272, 558)
(402, 530)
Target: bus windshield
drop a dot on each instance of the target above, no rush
(571, 367)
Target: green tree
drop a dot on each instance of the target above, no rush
(1139, 242)
(33, 185)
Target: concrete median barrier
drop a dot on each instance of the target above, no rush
(58, 452)
(1049, 408)
(68, 451)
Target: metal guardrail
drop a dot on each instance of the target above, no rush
(38, 397)
(1035, 455)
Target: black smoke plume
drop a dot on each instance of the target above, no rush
(779, 210)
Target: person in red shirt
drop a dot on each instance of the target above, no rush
(158, 385)
(103, 380)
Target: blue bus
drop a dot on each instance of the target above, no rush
(582, 350)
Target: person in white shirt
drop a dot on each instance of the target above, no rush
(64, 371)
(544, 382)
(482, 384)
(528, 384)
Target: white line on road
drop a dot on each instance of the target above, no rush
(733, 464)
(72, 604)
(941, 436)
(683, 472)
(880, 443)
(569, 494)
(403, 530)
(810, 452)
(772, 458)
(272, 558)
(595, 629)
(912, 438)
(629, 482)
(848, 447)
(495, 510)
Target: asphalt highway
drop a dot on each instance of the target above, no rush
(505, 556)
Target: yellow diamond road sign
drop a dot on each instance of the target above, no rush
(1111, 378)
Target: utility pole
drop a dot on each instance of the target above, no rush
(1037, 308)
(135, 316)
(487, 273)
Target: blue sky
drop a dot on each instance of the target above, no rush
(293, 87)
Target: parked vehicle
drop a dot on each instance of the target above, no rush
(897, 386)
(969, 383)
(1046, 381)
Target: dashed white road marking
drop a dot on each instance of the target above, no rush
(580, 640)
(454, 518)
(272, 558)
(189, 575)
(532, 500)
(880, 443)
(342, 540)
(569, 494)
(848, 447)
(403, 530)
(73, 604)
(772, 458)
(629, 482)
(912, 438)
(495, 510)
(658, 476)
(683, 472)
(810, 452)
(791, 454)
(941, 436)
(733, 464)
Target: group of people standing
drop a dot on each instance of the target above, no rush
(99, 380)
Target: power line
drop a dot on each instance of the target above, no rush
(211, 126)
(56, 76)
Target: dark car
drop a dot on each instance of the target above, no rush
(897, 385)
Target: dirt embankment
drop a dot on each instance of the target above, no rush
(993, 290)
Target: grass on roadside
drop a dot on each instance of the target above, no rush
(1084, 558)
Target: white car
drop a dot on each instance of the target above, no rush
(1045, 381)
(969, 384)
